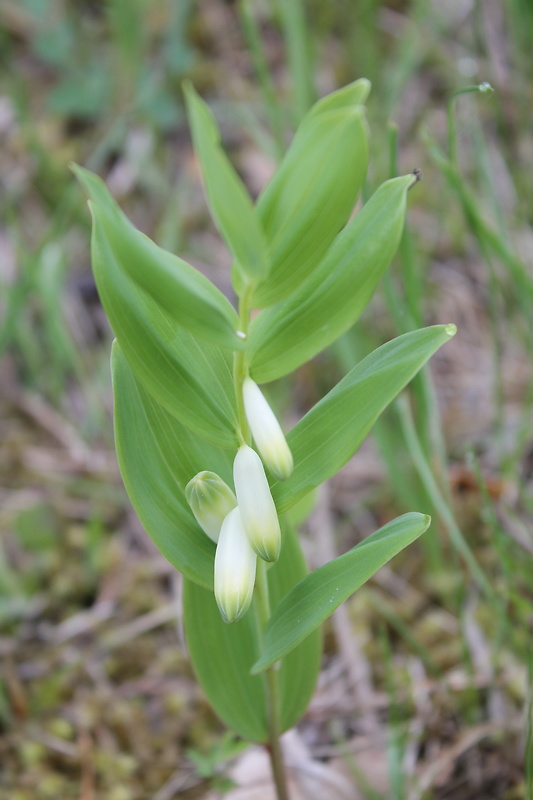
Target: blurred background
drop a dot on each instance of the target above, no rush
(426, 687)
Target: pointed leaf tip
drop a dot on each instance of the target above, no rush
(231, 206)
(178, 289)
(332, 431)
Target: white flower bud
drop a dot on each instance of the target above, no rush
(266, 431)
(235, 564)
(258, 512)
(210, 500)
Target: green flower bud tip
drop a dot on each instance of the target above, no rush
(258, 512)
(235, 564)
(266, 431)
(210, 500)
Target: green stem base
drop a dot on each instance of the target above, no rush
(272, 688)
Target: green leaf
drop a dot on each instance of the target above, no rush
(230, 203)
(313, 192)
(315, 597)
(157, 457)
(222, 655)
(191, 379)
(331, 432)
(187, 296)
(337, 291)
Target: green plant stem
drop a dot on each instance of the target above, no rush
(452, 136)
(240, 371)
(272, 687)
(261, 599)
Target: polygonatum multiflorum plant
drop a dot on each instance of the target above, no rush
(203, 457)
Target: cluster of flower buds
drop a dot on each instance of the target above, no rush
(247, 526)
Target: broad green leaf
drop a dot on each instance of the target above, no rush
(331, 432)
(315, 597)
(157, 457)
(313, 192)
(191, 379)
(332, 299)
(222, 655)
(187, 296)
(230, 204)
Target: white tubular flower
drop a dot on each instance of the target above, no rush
(258, 512)
(266, 431)
(235, 564)
(210, 500)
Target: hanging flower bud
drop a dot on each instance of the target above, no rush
(210, 500)
(266, 431)
(258, 512)
(235, 564)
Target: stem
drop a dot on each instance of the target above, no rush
(261, 599)
(452, 138)
(240, 371)
(272, 688)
